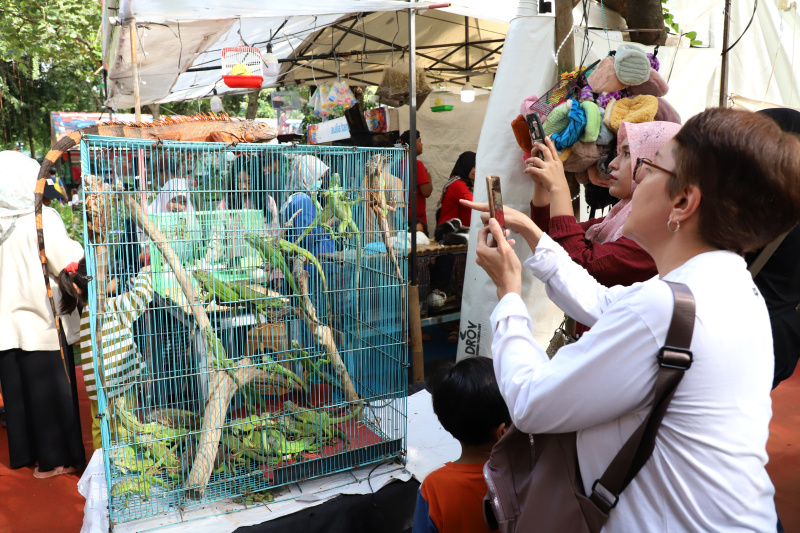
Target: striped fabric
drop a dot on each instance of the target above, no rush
(122, 361)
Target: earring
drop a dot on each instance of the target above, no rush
(677, 225)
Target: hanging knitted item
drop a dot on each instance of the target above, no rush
(558, 119)
(604, 78)
(642, 108)
(573, 131)
(604, 99)
(605, 136)
(655, 86)
(654, 60)
(631, 65)
(593, 121)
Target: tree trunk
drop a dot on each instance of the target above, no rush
(155, 110)
(31, 106)
(252, 105)
(566, 56)
(644, 14)
(648, 14)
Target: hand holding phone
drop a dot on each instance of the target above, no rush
(495, 201)
(537, 131)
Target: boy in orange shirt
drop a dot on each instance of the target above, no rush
(469, 406)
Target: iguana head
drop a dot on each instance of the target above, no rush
(259, 132)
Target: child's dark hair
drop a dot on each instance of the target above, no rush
(467, 400)
(70, 298)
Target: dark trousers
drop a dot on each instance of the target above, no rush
(42, 414)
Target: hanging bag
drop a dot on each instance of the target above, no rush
(563, 335)
(534, 481)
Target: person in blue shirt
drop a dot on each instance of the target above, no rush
(305, 178)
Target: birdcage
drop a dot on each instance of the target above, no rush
(247, 312)
(441, 100)
(242, 67)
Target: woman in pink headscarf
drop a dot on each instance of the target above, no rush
(598, 245)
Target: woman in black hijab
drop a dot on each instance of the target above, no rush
(460, 186)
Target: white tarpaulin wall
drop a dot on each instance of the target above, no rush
(445, 135)
(526, 67)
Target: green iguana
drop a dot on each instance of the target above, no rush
(338, 207)
(199, 128)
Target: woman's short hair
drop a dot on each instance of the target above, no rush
(748, 172)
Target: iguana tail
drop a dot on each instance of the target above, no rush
(52, 156)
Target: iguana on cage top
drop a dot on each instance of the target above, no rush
(199, 128)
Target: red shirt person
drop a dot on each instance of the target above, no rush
(459, 187)
(424, 187)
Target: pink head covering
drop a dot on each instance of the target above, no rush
(644, 140)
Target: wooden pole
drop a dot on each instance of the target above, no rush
(723, 71)
(414, 320)
(137, 102)
(564, 22)
(566, 62)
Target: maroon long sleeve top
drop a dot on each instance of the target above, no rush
(621, 262)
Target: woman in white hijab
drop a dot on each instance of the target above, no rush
(185, 234)
(38, 387)
(306, 178)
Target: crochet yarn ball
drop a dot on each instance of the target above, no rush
(655, 86)
(654, 61)
(571, 134)
(667, 113)
(584, 155)
(558, 119)
(642, 108)
(631, 65)
(605, 136)
(593, 120)
(604, 78)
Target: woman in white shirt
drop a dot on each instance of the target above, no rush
(727, 183)
(38, 386)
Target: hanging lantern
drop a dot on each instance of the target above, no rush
(441, 101)
(241, 67)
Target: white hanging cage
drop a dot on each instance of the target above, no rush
(242, 67)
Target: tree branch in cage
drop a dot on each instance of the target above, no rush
(323, 335)
(378, 177)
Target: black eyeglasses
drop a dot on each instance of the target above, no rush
(642, 161)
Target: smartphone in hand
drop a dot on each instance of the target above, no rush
(536, 129)
(495, 200)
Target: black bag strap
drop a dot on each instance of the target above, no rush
(674, 358)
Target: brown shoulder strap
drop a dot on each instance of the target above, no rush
(762, 258)
(674, 358)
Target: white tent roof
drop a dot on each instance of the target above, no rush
(180, 43)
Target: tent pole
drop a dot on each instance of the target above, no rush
(723, 71)
(137, 102)
(414, 322)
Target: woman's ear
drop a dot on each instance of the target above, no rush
(685, 203)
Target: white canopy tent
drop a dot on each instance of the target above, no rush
(179, 44)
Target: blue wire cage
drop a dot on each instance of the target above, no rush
(246, 318)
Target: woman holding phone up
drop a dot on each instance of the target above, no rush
(727, 183)
(598, 244)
